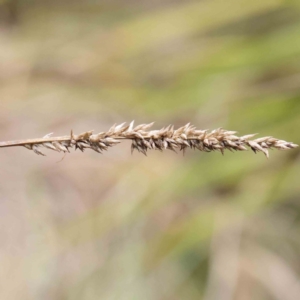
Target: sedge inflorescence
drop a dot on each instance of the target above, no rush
(144, 139)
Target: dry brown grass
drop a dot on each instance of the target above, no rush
(144, 139)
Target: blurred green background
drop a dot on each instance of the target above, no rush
(166, 226)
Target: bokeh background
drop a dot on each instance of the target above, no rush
(165, 226)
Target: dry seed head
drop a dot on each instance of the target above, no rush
(144, 139)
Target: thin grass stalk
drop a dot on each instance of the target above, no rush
(144, 139)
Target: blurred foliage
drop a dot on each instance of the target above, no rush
(166, 226)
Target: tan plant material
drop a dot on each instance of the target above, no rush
(144, 139)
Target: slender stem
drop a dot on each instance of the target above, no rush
(58, 139)
(34, 141)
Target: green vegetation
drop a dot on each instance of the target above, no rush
(162, 227)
